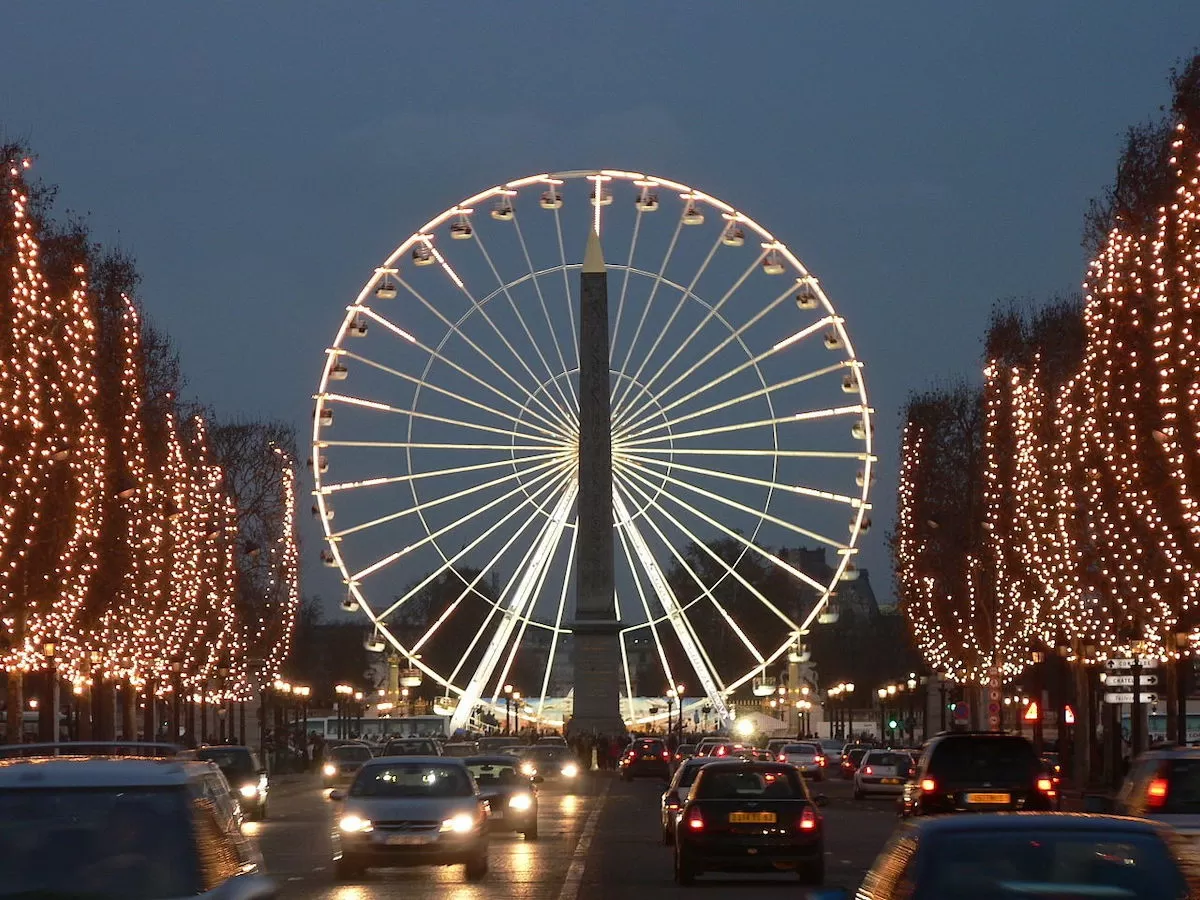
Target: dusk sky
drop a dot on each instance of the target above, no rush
(259, 159)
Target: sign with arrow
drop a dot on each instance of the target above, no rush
(1148, 662)
(1128, 698)
(1149, 679)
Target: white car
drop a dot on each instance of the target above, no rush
(882, 772)
(805, 756)
(676, 795)
(832, 748)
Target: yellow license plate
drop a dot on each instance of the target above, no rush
(890, 781)
(757, 818)
(989, 798)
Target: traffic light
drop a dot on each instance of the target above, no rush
(892, 723)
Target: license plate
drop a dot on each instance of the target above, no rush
(890, 781)
(406, 840)
(755, 818)
(989, 798)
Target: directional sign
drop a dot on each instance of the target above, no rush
(1128, 698)
(1148, 662)
(1147, 680)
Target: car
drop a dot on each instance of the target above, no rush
(512, 797)
(676, 795)
(682, 753)
(831, 749)
(749, 816)
(807, 757)
(776, 745)
(343, 762)
(1002, 855)
(851, 757)
(411, 811)
(549, 761)
(412, 747)
(247, 776)
(552, 740)
(645, 757)
(720, 749)
(461, 749)
(882, 772)
(707, 744)
(112, 826)
(493, 743)
(975, 772)
(1164, 785)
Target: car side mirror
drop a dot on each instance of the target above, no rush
(337, 796)
(249, 887)
(821, 800)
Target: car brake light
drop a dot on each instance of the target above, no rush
(1156, 794)
(928, 784)
(1045, 785)
(665, 755)
(808, 820)
(868, 771)
(783, 757)
(696, 821)
(721, 751)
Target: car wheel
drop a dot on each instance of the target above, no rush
(531, 833)
(812, 873)
(477, 868)
(685, 873)
(348, 868)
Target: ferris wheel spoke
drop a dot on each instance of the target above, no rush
(643, 389)
(558, 618)
(688, 292)
(551, 464)
(376, 406)
(337, 487)
(653, 621)
(537, 286)
(805, 416)
(520, 636)
(630, 487)
(658, 280)
(531, 395)
(802, 490)
(547, 490)
(860, 455)
(628, 465)
(693, 647)
(632, 429)
(555, 430)
(567, 293)
(549, 418)
(551, 379)
(730, 533)
(629, 710)
(433, 445)
(434, 535)
(637, 227)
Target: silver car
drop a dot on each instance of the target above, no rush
(807, 757)
(1164, 785)
(676, 795)
(882, 772)
(411, 811)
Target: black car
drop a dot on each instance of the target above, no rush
(246, 776)
(977, 772)
(412, 747)
(749, 816)
(1011, 855)
(646, 757)
(511, 796)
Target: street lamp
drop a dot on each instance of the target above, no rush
(508, 689)
(670, 692)
(516, 695)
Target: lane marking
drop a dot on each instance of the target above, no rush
(574, 879)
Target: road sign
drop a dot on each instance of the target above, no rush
(1068, 715)
(1031, 712)
(1149, 679)
(1128, 698)
(1148, 662)
(962, 711)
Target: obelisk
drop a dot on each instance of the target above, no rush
(596, 651)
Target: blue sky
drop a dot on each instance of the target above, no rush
(258, 159)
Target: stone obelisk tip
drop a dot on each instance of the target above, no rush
(593, 257)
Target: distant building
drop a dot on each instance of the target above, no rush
(856, 597)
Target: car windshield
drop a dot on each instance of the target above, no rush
(549, 754)
(685, 748)
(979, 760)
(974, 863)
(108, 844)
(688, 775)
(350, 753)
(856, 754)
(1183, 788)
(496, 774)
(410, 748)
(746, 784)
(413, 780)
(802, 748)
(231, 762)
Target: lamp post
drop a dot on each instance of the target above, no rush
(516, 695)
(1182, 667)
(48, 713)
(679, 691)
(508, 689)
(1038, 658)
(882, 694)
(343, 692)
(670, 692)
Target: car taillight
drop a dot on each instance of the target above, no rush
(695, 821)
(666, 755)
(928, 785)
(868, 771)
(808, 820)
(1156, 794)
(1045, 785)
(673, 802)
(721, 751)
(820, 761)
(783, 757)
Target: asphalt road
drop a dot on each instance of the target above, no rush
(599, 842)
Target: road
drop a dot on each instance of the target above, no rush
(597, 843)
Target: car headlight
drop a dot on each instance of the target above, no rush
(528, 769)
(352, 824)
(460, 824)
(330, 769)
(520, 801)
(249, 791)
(570, 770)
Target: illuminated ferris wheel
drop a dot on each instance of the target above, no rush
(446, 432)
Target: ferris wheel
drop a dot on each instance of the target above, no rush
(446, 433)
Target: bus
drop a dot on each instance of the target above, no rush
(382, 728)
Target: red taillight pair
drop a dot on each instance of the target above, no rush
(808, 820)
(1156, 793)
